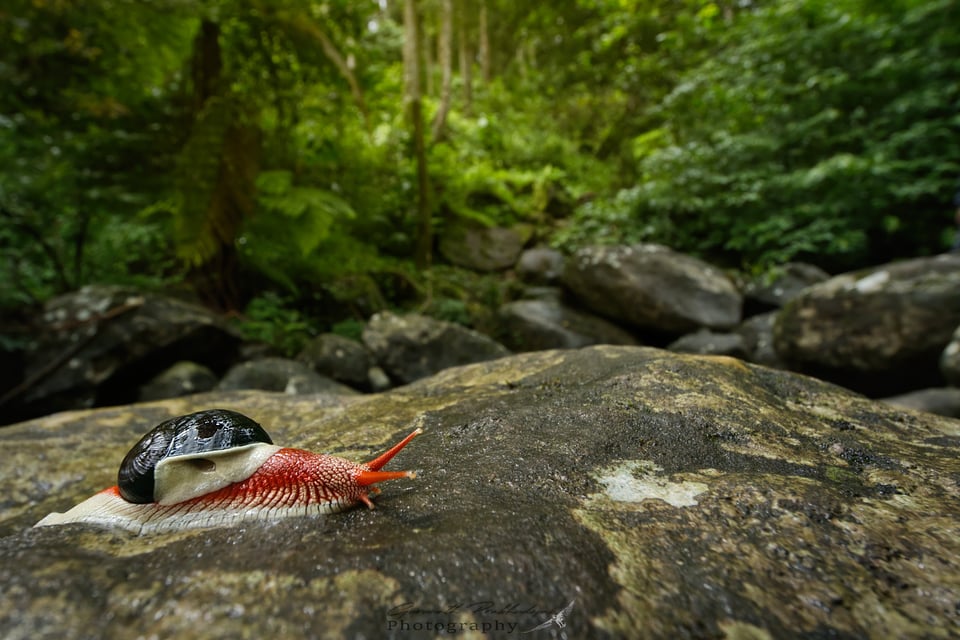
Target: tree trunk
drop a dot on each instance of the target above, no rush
(445, 54)
(217, 170)
(466, 57)
(411, 66)
(484, 44)
(206, 64)
(426, 47)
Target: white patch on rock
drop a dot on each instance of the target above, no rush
(637, 480)
(872, 282)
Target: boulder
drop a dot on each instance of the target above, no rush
(531, 325)
(340, 358)
(651, 287)
(100, 344)
(643, 493)
(410, 347)
(12, 365)
(950, 360)
(483, 248)
(781, 284)
(880, 331)
(379, 380)
(280, 374)
(540, 266)
(710, 343)
(182, 379)
(757, 334)
(941, 401)
(547, 293)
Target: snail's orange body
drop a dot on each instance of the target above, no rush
(252, 480)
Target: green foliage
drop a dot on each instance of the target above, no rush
(748, 133)
(309, 210)
(450, 310)
(484, 194)
(273, 319)
(290, 224)
(816, 130)
(85, 135)
(215, 181)
(615, 220)
(465, 297)
(350, 328)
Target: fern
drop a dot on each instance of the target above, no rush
(311, 210)
(290, 225)
(215, 182)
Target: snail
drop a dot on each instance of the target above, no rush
(219, 467)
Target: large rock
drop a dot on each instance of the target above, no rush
(710, 343)
(182, 379)
(942, 401)
(950, 360)
(651, 287)
(782, 284)
(280, 374)
(483, 248)
(664, 496)
(410, 347)
(531, 325)
(540, 266)
(340, 358)
(880, 331)
(757, 334)
(100, 344)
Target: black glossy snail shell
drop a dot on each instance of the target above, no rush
(201, 432)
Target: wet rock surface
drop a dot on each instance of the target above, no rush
(950, 359)
(98, 345)
(540, 266)
(944, 401)
(710, 343)
(181, 379)
(340, 358)
(649, 286)
(782, 285)
(532, 325)
(664, 495)
(757, 334)
(280, 374)
(412, 346)
(483, 248)
(865, 328)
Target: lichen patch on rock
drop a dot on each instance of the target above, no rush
(637, 481)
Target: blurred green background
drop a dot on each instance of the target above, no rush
(296, 161)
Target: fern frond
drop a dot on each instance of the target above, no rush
(309, 211)
(217, 169)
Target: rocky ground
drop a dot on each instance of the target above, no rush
(892, 331)
(652, 494)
